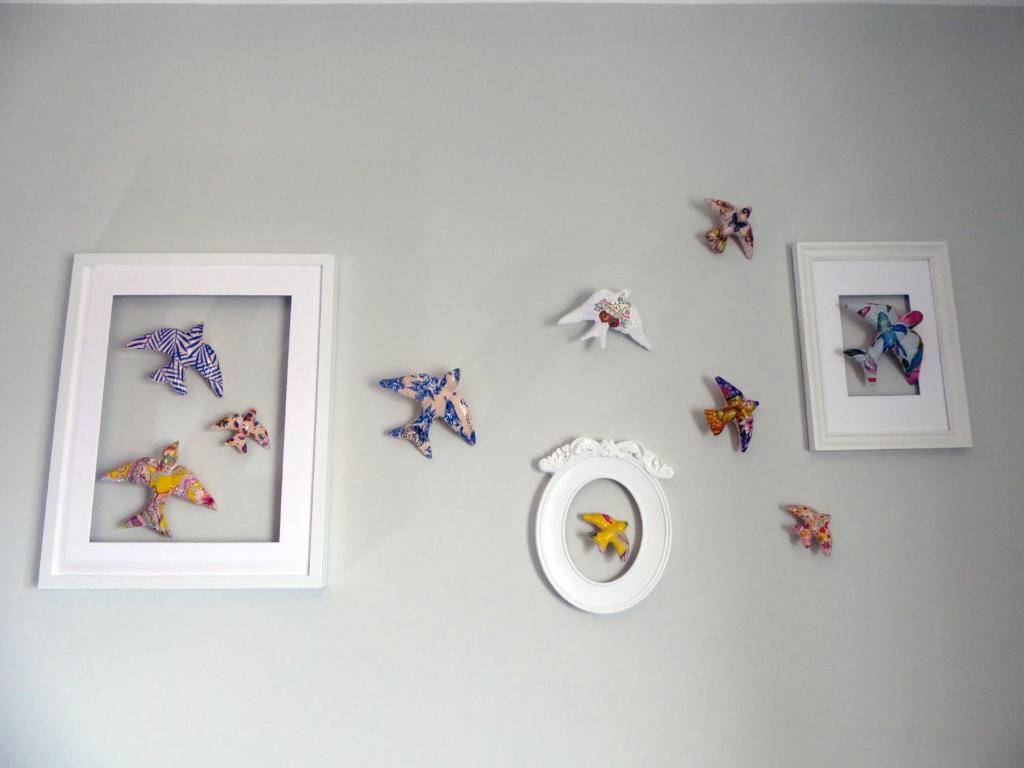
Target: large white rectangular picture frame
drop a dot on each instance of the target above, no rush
(69, 559)
(836, 421)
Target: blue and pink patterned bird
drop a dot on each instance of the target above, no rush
(438, 400)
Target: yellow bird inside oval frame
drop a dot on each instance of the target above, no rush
(609, 531)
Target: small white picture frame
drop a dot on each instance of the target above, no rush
(639, 472)
(71, 555)
(841, 413)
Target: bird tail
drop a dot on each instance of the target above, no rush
(868, 363)
(716, 420)
(174, 374)
(418, 433)
(715, 239)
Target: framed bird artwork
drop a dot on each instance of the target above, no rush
(154, 346)
(881, 349)
(640, 473)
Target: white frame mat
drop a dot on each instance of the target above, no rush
(297, 559)
(937, 416)
(638, 471)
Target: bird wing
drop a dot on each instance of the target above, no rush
(621, 544)
(586, 310)
(870, 311)
(746, 236)
(915, 354)
(228, 422)
(190, 489)
(824, 537)
(208, 366)
(595, 518)
(803, 514)
(165, 340)
(456, 416)
(728, 390)
(746, 427)
(456, 410)
(636, 329)
(721, 207)
(416, 386)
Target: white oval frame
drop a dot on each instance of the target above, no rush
(638, 471)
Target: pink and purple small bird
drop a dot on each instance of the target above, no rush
(812, 525)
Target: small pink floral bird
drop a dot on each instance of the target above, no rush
(245, 426)
(812, 525)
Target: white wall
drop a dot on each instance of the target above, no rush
(478, 169)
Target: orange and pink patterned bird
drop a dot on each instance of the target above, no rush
(732, 221)
(165, 477)
(812, 525)
(737, 409)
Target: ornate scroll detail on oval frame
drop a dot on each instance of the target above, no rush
(586, 447)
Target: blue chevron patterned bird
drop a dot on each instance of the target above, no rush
(185, 350)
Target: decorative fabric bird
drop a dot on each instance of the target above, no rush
(812, 525)
(165, 477)
(893, 334)
(438, 400)
(609, 309)
(732, 221)
(738, 409)
(186, 350)
(610, 531)
(245, 427)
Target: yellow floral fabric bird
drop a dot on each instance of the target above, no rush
(165, 477)
(610, 531)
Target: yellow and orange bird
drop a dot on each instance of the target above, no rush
(611, 531)
(738, 409)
